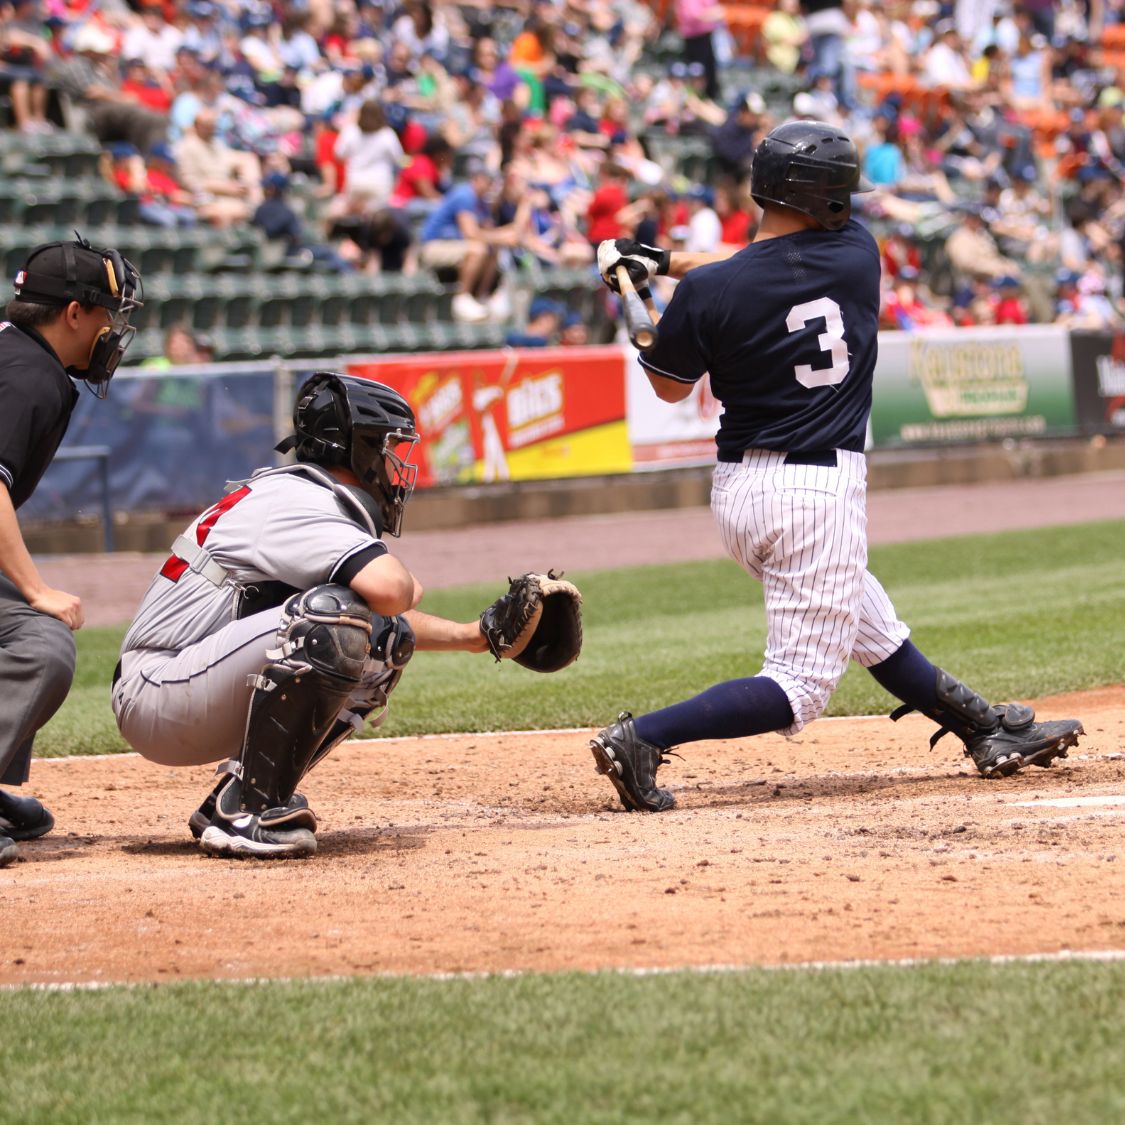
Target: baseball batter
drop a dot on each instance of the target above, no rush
(280, 621)
(787, 330)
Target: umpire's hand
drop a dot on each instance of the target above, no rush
(58, 603)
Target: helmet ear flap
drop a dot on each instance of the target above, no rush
(321, 452)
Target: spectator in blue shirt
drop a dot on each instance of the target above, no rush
(459, 234)
(883, 162)
(544, 319)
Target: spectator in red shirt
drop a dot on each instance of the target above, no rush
(899, 249)
(425, 174)
(1008, 304)
(734, 215)
(610, 214)
(332, 169)
(146, 86)
(161, 202)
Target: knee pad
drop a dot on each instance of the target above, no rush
(329, 629)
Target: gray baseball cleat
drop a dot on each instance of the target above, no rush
(631, 764)
(9, 853)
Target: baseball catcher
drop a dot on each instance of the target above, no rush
(281, 622)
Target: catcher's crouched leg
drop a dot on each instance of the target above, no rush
(1001, 739)
(324, 646)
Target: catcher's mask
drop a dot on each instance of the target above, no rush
(364, 426)
(811, 167)
(57, 273)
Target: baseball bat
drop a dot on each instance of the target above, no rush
(638, 316)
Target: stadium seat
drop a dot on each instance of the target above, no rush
(744, 22)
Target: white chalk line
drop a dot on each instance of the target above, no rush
(448, 735)
(1071, 802)
(1107, 956)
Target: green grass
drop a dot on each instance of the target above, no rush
(1017, 615)
(941, 1043)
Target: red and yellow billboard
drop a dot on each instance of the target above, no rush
(527, 414)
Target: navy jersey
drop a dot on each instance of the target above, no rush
(788, 330)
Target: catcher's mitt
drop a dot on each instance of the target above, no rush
(537, 623)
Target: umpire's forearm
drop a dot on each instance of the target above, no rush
(16, 562)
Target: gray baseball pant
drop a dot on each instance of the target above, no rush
(37, 658)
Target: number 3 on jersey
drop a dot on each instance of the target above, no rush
(831, 340)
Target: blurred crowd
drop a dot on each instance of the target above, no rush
(479, 139)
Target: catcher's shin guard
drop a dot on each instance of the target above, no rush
(324, 644)
(631, 764)
(1000, 739)
(392, 646)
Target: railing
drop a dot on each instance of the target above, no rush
(100, 454)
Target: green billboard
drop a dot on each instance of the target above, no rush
(943, 386)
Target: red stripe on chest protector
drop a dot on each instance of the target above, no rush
(174, 567)
(203, 528)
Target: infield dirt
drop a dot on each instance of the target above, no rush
(507, 852)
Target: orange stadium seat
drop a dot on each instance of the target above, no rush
(926, 101)
(744, 22)
(1112, 59)
(1113, 37)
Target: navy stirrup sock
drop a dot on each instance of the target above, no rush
(734, 709)
(909, 676)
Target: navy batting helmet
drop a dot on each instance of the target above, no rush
(811, 167)
(364, 426)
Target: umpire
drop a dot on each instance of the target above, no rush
(69, 320)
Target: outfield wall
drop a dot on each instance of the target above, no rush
(584, 421)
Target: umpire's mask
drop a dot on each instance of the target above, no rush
(57, 273)
(364, 426)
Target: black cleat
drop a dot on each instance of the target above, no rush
(201, 818)
(631, 764)
(1004, 751)
(287, 833)
(23, 818)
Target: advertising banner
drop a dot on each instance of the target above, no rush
(521, 414)
(669, 435)
(972, 384)
(1099, 381)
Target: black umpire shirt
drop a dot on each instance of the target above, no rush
(36, 400)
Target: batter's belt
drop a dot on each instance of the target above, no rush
(825, 457)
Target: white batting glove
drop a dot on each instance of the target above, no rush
(642, 262)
